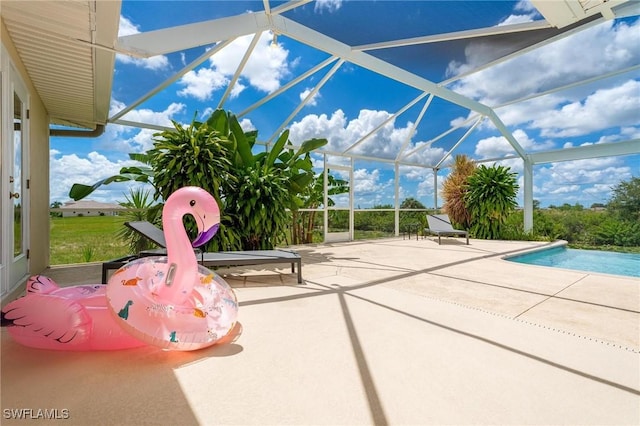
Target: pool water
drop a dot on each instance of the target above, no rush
(607, 262)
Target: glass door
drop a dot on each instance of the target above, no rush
(338, 218)
(3, 278)
(18, 202)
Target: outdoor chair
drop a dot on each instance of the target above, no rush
(439, 224)
(207, 259)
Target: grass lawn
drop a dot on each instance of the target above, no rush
(86, 239)
(94, 238)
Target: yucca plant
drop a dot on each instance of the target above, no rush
(454, 189)
(490, 197)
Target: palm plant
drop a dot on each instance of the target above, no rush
(490, 197)
(140, 207)
(454, 189)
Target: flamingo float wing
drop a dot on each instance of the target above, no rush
(45, 315)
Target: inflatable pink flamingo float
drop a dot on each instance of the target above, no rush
(172, 302)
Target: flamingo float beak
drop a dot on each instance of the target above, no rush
(205, 236)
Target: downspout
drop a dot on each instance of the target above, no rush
(68, 133)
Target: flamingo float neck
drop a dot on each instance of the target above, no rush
(183, 266)
(182, 272)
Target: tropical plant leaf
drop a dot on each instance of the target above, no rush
(276, 149)
(310, 145)
(243, 146)
(79, 191)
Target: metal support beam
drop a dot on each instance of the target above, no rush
(630, 147)
(440, 136)
(506, 133)
(200, 59)
(384, 122)
(407, 141)
(325, 43)
(241, 66)
(183, 37)
(289, 85)
(396, 187)
(325, 199)
(528, 196)
(307, 99)
(435, 188)
(454, 147)
(457, 35)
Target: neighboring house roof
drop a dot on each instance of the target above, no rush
(89, 205)
(67, 50)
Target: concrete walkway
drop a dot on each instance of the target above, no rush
(390, 331)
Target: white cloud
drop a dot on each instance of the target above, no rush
(581, 110)
(264, 71)
(127, 27)
(131, 139)
(155, 63)
(160, 118)
(611, 47)
(526, 12)
(630, 132)
(616, 106)
(498, 146)
(247, 125)
(369, 190)
(424, 177)
(429, 156)
(328, 5)
(65, 170)
(266, 67)
(525, 6)
(321, 126)
(202, 83)
(314, 99)
(206, 113)
(582, 181)
(342, 133)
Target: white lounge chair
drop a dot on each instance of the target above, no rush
(439, 224)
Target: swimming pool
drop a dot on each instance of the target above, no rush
(607, 262)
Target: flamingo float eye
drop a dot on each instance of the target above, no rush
(192, 203)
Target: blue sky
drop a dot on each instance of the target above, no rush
(355, 101)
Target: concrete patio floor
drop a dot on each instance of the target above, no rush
(390, 331)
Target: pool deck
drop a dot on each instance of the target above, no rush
(391, 331)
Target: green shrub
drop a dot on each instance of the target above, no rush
(490, 198)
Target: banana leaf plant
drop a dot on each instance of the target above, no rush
(254, 191)
(313, 197)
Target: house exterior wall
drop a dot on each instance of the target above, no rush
(38, 159)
